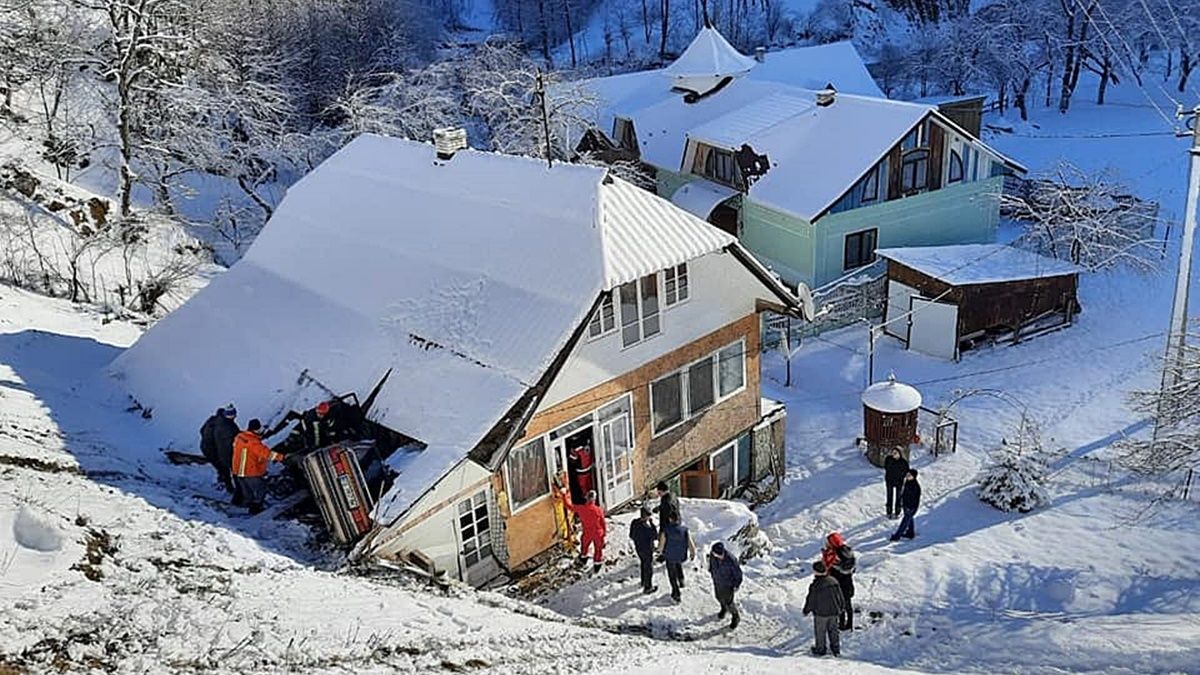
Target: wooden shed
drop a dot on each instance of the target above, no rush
(944, 299)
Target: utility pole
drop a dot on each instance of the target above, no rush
(1179, 309)
(541, 97)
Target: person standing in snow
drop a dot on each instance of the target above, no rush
(675, 546)
(910, 500)
(644, 535)
(250, 459)
(593, 524)
(840, 561)
(224, 431)
(208, 448)
(727, 578)
(895, 468)
(668, 504)
(827, 604)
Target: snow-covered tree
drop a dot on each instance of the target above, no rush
(1014, 479)
(1175, 411)
(1089, 219)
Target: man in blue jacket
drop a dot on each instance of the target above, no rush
(727, 578)
(675, 545)
(644, 536)
(910, 500)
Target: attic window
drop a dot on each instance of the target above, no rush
(604, 320)
(639, 310)
(870, 186)
(718, 165)
(956, 167)
(675, 284)
(624, 133)
(914, 171)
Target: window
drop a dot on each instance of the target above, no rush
(675, 284)
(956, 167)
(870, 186)
(731, 368)
(718, 165)
(666, 402)
(701, 393)
(722, 462)
(604, 320)
(624, 133)
(860, 249)
(474, 528)
(527, 476)
(690, 391)
(914, 170)
(639, 310)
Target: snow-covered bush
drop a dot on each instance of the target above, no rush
(1014, 480)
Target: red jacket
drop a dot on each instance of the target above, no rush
(251, 455)
(829, 554)
(591, 516)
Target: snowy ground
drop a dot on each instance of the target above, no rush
(111, 558)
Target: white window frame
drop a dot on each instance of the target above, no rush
(512, 509)
(675, 273)
(731, 446)
(486, 542)
(641, 311)
(599, 316)
(684, 387)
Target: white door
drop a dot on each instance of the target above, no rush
(616, 461)
(475, 539)
(895, 314)
(934, 328)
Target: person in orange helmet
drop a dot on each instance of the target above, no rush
(250, 460)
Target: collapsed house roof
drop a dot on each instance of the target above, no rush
(466, 277)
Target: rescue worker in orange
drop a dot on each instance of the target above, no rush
(250, 459)
(591, 521)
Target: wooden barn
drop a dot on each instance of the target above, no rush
(944, 299)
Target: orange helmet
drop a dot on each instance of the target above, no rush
(322, 408)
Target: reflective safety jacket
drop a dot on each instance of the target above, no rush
(251, 455)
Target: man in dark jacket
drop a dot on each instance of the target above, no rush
(910, 499)
(675, 545)
(224, 430)
(727, 578)
(644, 535)
(208, 448)
(895, 467)
(668, 504)
(826, 603)
(840, 561)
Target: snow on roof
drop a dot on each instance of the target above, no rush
(891, 396)
(700, 197)
(816, 67)
(978, 263)
(733, 129)
(707, 60)
(451, 273)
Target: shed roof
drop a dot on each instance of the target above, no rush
(451, 273)
(966, 264)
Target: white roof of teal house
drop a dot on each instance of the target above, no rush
(816, 153)
(966, 264)
(467, 278)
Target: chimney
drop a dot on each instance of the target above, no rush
(760, 54)
(449, 140)
(826, 97)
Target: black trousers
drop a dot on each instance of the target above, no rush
(675, 576)
(647, 560)
(725, 597)
(893, 499)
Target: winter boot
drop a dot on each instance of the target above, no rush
(737, 618)
(721, 614)
(582, 561)
(596, 568)
(815, 652)
(648, 591)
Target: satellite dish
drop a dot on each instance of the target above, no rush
(806, 301)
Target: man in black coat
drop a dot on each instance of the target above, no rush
(208, 447)
(668, 504)
(826, 603)
(910, 499)
(727, 579)
(644, 535)
(224, 430)
(895, 467)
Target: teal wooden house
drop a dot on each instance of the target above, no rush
(811, 177)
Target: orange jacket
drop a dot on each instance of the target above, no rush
(251, 455)
(591, 516)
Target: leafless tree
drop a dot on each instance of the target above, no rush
(1175, 412)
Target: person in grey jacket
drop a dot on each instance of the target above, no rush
(826, 604)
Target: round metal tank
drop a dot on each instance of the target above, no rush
(889, 418)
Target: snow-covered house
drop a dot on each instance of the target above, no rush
(524, 311)
(810, 179)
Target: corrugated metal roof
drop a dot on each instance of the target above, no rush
(644, 234)
(747, 123)
(700, 197)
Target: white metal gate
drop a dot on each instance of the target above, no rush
(934, 329)
(898, 304)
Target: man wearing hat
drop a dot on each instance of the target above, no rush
(250, 459)
(827, 604)
(216, 436)
(644, 536)
(727, 578)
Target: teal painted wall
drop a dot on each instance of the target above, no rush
(670, 181)
(781, 241)
(961, 214)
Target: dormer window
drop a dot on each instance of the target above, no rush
(719, 166)
(624, 133)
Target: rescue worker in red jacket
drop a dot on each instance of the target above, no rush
(582, 461)
(250, 459)
(591, 521)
